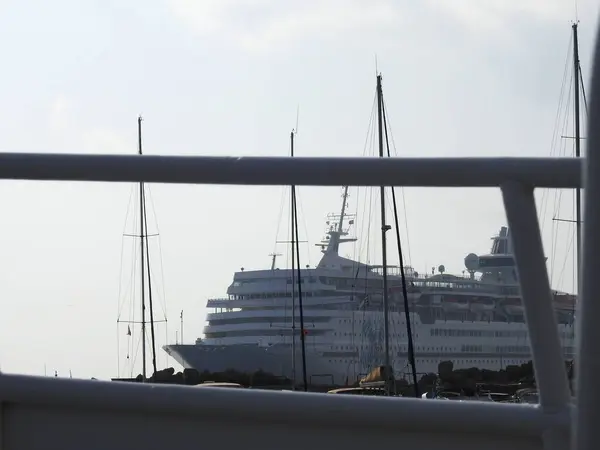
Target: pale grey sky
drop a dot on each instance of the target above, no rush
(224, 77)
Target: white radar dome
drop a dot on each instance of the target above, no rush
(472, 261)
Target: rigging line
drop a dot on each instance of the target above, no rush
(148, 191)
(134, 353)
(152, 334)
(368, 213)
(556, 147)
(160, 254)
(563, 268)
(355, 243)
(162, 301)
(128, 209)
(558, 192)
(133, 286)
(289, 234)
(370, 129)
(411, 350)
(370, 138)
(366, 220)
(556, 235)
(372, 199)
(120, 300)
(402, 191)
(390, 204)
(299, 281)
(305, 226)
(585, 104)
(279, 220)
(552, 252)
(358, 246)
(557, 118)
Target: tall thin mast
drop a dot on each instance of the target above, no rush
(150, 304)
(142, 258)
(577, 145)
(384, 229)
(292, 241)
(299, 284)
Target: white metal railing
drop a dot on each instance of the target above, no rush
(40, 412)
(516, 177)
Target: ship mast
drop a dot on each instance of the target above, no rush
(384, 229)
(144, 248)
(576, 87)
(296, 250)
(142, 281)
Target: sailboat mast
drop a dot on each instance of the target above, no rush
(384, 229)
(299, 285)
(152, 335)
(576, 94)
(292, 241)
(142, 283)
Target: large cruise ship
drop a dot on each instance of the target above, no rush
(474, 320)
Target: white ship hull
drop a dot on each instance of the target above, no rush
(347, 355)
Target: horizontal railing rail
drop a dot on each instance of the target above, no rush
(252, 170)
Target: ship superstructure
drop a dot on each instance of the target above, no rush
(475, 320)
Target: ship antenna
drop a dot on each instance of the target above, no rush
(343, 213)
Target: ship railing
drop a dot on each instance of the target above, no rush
(45, 412)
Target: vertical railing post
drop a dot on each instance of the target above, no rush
(548, 362)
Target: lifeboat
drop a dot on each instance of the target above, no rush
(479, 304)
(455, 302)
(413, 295)
(513, 306)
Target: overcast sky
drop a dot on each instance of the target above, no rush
(221, 77)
